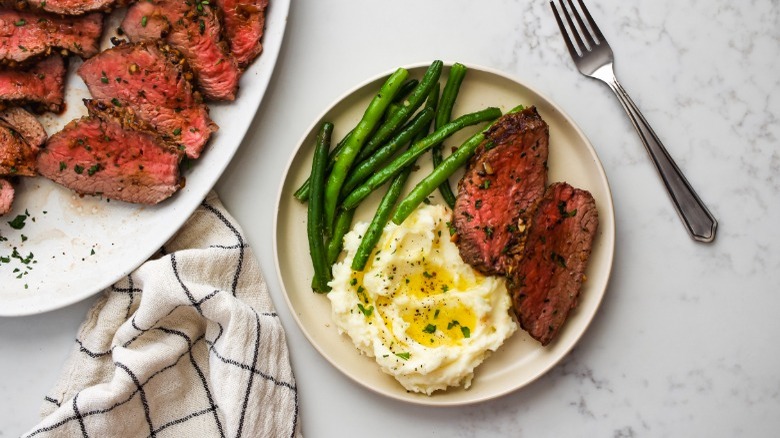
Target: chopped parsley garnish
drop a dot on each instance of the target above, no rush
(177, 131)
(143, 21)
(366, 311)
(466, 332)
(452, 324)
(18, 222)
(564, 213)
(558, 259)
(78, 169)
(21, 22)
(430, 328)
(404, 356)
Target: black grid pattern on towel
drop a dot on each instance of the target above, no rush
(210, 409)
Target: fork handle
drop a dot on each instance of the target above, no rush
(698, 220)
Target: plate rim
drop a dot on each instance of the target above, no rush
(269, 57)
(610, 233)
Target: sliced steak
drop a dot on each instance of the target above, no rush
(501, 184)
(6, 196)
(25, 124)
(151, 81)
(63, 7)
(114, 154)
(244, 25)
(193, 29)
(27, 35)
(545, 282)
(16, 156)
(42, 85)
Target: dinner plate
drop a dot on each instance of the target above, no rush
(76, 246)
(521, 359)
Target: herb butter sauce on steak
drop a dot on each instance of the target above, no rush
(501, 184)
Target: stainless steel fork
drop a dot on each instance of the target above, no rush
(593, 57)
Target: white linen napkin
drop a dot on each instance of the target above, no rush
(188, 345)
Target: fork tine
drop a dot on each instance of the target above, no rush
(592, 23)
(566, 39)
(583, 30)
(573, 29)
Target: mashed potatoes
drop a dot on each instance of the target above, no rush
(427, 317)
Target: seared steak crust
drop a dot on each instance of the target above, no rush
(501, 184)
(151, 81)
(63, 7)
(42, 85)
(244, 25)
(27, 35)
(16, 156)
(545, 282)
(114, 154)
(25, 124)
(6, 196)
(193, 29)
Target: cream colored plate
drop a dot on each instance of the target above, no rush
(521, 359)
(82, 245)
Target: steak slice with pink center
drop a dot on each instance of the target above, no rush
(114, 154)
(193, 29)
(244, 25)
(545, 283)
(153, 83)
(42, 85)
(27, 35)
(502, 183)
(63, 7)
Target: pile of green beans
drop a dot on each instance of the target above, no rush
(369, 156)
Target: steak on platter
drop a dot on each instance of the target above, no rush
(193, 29)
(545, 282)
(244, 25)
(28, 35)
(16, 156)
(152, 82)
(42, 85)
(501, 184)
(112, 153)
(6, 196)
(63, 7)
(25, 124)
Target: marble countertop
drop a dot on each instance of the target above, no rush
(684, 343)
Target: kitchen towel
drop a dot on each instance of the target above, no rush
(188, 345)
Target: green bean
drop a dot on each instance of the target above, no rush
(377, 225)
(314, 211)
(441, 173)
(355, 142)
(363, 170)
(443, 115)
(417, 149)
(302, 194)
(400, 116)
(336, 243)
(374, 231)
(406, 88)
